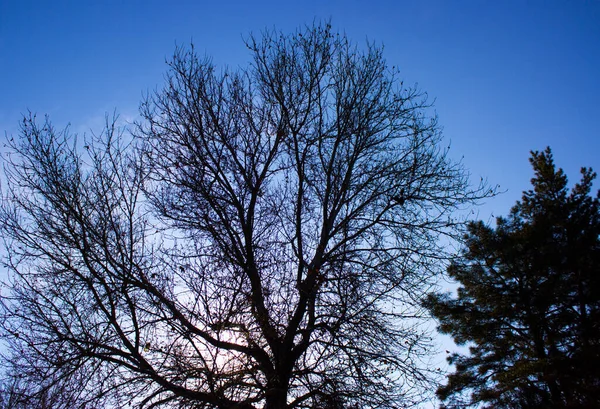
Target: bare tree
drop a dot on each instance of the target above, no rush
(264, 241)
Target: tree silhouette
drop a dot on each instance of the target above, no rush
(529, 301)
(246, 248)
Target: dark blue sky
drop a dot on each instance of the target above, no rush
(507, 76)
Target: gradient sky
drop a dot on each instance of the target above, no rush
(507, 76)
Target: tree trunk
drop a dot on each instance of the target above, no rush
(276, 398)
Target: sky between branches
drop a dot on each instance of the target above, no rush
(507, 77)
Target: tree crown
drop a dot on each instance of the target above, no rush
(264, 241)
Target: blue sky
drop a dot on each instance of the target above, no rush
(506, 76)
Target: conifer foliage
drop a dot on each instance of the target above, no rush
(528, 304)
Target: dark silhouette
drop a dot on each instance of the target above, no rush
(529, 301)
(243, 250)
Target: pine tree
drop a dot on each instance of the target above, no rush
(528, 304)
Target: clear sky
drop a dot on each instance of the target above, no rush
(507, 76)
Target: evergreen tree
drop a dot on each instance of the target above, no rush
(528, 304)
